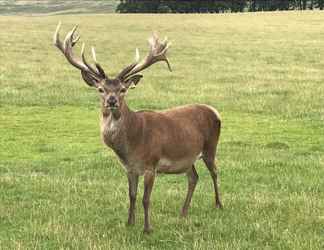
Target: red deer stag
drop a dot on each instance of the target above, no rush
(148, 142)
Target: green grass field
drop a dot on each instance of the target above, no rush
(60, 188)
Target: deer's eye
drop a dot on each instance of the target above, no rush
(101, 90)
(123, 90)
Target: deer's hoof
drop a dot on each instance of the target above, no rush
(219, 205)
(130, 222)
(184, 214)
(147, 230)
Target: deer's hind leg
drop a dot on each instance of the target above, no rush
(192, 182)
(209, 160)
(149, 177)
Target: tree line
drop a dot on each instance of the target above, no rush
(214, 6)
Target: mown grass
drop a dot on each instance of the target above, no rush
(61, 188)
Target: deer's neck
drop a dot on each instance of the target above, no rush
(119, 129)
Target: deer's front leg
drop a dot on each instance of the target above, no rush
(132, 191)
(149, 177)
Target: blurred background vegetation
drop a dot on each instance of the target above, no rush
(216, 6)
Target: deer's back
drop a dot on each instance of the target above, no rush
(197, 118)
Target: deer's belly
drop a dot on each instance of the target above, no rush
(169, 166)
(164, 165)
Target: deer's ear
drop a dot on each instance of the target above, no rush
(132, 81)
(89, 79)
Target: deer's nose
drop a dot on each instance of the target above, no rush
(112, 101)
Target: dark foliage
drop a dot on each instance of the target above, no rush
(214, 6)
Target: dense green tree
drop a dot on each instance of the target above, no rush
(215, 6)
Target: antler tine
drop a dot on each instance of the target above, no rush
(75, 40)
(157, 53)
(69, 36)
(165, 45)
(85, 61)
(99, 68)
(137, 55)
(93, 51)
(56, 38)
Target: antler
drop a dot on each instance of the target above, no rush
(157, 53)
(66, 48)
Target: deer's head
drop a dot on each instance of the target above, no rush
(112, 90)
